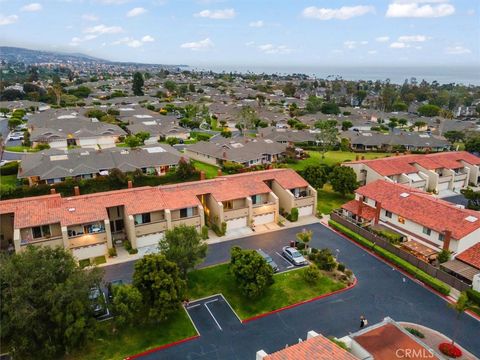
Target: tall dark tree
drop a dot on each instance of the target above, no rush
(343, 180)
(138, 82)
(315, 175)
(45, 305)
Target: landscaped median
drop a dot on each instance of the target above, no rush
(289, 288)
(404, 265)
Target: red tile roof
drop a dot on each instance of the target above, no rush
(318, 348)
(388, 342)
(404, 164)
(422, 208)
(358, 208)
(81, 209)
(471, 256)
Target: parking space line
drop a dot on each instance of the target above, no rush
(191, 307)
(216, 322)
(288, 262)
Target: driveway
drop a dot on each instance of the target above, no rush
(381, 291)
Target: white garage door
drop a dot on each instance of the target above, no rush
(458, 185)
(149, 240)
(263, 219)
(236, 223)
(443, 186)
(305, 210)
(88, 252)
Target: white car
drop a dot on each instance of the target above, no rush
(294, 256)
(16, 136)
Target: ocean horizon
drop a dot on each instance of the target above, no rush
(466, 75)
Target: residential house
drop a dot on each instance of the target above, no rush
(441, 173)
(287, 136)
(54, 165)
(426, 223)
(89, 225)
(242, 150)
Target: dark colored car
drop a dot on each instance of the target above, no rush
(268, 259)
(97, 299)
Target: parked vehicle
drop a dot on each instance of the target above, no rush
(16, 136)
(268, 259)
(110, 287)
(97, 299)
(293, 255)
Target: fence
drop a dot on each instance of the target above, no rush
(422, 265)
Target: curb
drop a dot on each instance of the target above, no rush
(300, 303)
(162, 347)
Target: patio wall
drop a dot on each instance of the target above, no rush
(379, 241)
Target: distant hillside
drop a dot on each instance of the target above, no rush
(27, 56)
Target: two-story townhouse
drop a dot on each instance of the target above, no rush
(89, 225)
(419, 217)
(441, 172)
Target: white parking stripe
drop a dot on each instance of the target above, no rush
(288, 262)
(191, 307)
(216, 322)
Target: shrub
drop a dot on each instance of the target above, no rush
(133, 251)
(392, 237)
(415, 332)
(341, 267)
(112, 252)
(294, 215)
(300, 245)
(204, 232)
(311, 274)
(450, 350)
(324, 260)
(127, 245)
(416, 272)
(10, 168)
(224, 228)
(42, 147)
(444, 256)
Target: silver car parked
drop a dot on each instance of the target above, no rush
(294, 256)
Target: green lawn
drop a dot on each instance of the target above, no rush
(289, 288)
(131, 341)
(210, 170)
(332, 158)
(329, 200)
(8, 181)
(20, 148)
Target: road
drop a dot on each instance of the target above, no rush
(381, 291)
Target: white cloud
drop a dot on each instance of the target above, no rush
(382, 39)
(420, 8)
(372, 52)
(399, 45)
(113, 2)
(274, 49)
(32, 7)
(136, 12)
(90, 17)
(7, 20)
(198, 45)
(457, 50)
(343, 13)
(350, 44)
(77, 40)
(103, 29)
(257, 24)
(148, 38)
(217, 14)
(413, 38)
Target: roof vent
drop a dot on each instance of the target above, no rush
(71, 209)
(471, 218)
(404, 195)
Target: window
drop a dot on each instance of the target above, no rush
(93, 228)
(441, 237)
(427, 231)
(41, 231)
(228, 205)
(142, 218)
(401, 220)
(388, 214)
(256, 199)
(186, 212)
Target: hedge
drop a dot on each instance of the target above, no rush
(10, 168)
(403, 264)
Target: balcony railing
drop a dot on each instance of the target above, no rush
(150, 228)
(443, 179)
(304, 201)
(40, 240)
(88, 239)
(235, 213)
(460, 176)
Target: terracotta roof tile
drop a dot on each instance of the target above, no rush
(356, 207)
(471, 256)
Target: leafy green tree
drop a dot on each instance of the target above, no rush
(311, 274)
(472, 144)
(137, 85)
(127, 305)
(419, 124)
(346, 125)
(160, 284)
(132, 141)
(184, 246)
(252, 273)
(330, 108)
(185, 169)
(454, 136)
(170, 85)
(95, 113)
(4, 111)
(305, 236)
(14, 122)
(343, 180)
(473, 198)
(444, 256)
(226, 133)
(326, 136)
(399, 106)
(289, 89)
(324, 259)
(314, 104)
(315, 175)
(402, 122)
(45, 305)
(143, 135)
(428, 110)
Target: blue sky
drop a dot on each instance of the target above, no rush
(248, 32)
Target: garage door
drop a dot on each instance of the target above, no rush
(458, 185)
(236, 223)
(443, 186)
(263, 219)
(149, 240)
(305, 210)
(88, 252)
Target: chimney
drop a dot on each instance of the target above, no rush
(360, 205)
(224, 154)
(378, 208)
(53, 191)
(129, 184)
(219, 172)
(446, 240)
(202, 175)
(76, 191)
